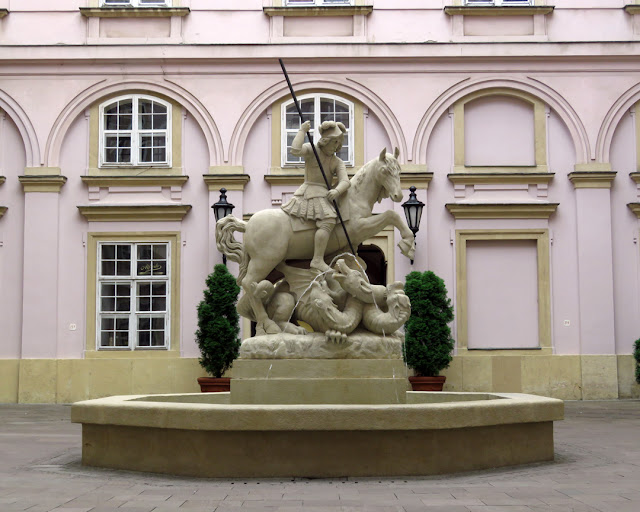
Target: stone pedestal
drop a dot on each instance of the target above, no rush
(319, 381)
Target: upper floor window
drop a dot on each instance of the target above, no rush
(292, 3)
(133, 295)
(135, 131)
(317, 108)
(136, 3)
(499, 2)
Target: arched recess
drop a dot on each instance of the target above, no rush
(527, 86)
(349, 87)
(95, 92)
(27, 132)
(611, 120)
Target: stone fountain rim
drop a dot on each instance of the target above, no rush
(147, 411)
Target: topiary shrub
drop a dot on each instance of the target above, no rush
(427, 337)
(636, 355)
(218, 322)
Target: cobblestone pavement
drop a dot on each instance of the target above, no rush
(597, 469)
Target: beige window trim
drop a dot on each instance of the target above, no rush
(133, 12)
(176, 140)
(541, 236)
(92, 260)
(540, 134)
(134, 213)
(134, 181)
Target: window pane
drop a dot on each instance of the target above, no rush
(145, 122)
(144, 267)
(144, 252)
(110, 156)
(159, 141)
(145, 107)
(122, 324)
(159, 252)
(157, 323)
(107, 304)
(124, 252)
(159, 154)
(124, 268)
(292, 121)
(126, 107)
(108, 290)
(158, 289)
(144, 304)
(157, 338)
(159, 304)
(144, 338)
(108, 268)
(144, 324)
(106, 339)
(158, 108)
(122, 339)
(123, 304)
(107, 324)
(111, 109)
(111, 122)
(124, 156)
(144, 289)
(125, 122)
(159, 122)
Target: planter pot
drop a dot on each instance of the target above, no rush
(214, 384)
(427, 383)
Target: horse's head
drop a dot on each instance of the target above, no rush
(389, 175)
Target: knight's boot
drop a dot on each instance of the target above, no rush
(320, 240)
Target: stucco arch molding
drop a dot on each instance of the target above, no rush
(25, 127)
(529, 87)
(105, 88)
(345, 86)
(611, 121)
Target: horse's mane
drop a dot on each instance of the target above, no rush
(370, 167)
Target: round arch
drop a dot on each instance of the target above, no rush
(96, 92)
(531, 88)
(25, 127)
(611, 121)
(277, 91)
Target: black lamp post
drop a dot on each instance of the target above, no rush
(221, 209)
(413, 211)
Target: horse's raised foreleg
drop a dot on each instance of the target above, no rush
(371, 226)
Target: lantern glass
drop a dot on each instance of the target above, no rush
(413, 210)
(222, 208)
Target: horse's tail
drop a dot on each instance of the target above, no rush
(229, 246)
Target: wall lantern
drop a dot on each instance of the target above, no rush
(221, 209)
(413, 211)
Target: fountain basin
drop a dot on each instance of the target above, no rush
(204, 435)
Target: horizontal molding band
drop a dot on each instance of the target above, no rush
(133, 213)
(592, 179)
(502, 210)
(133, 12)
(134, 181)
(635, 208)
(3, 210)
(2, 179)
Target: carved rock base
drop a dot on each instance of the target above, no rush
(359, 345)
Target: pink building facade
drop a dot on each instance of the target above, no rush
(120, 121)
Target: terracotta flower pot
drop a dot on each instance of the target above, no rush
(214, 384)
(427, 383)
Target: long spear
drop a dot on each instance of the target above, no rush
(315, 152)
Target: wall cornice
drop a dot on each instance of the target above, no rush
(592, 179)
(490, 10)
(284, 179)
(2, 180)
(502, 210)
(4, 12)
(134, 213)
(3, 209)
(491, 178)
(635, 208)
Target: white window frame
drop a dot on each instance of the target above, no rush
(317, 3)
(132, 280)
(314, 128)
(136, 3)
(136, 133)
(499, 3)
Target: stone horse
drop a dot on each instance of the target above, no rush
(270, 238)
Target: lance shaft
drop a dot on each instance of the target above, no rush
(315, 152)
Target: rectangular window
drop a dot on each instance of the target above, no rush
(136, 3)
(133, 299)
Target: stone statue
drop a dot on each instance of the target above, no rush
(335, 300)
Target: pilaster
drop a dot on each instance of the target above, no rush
(592, 184)
(40, 293)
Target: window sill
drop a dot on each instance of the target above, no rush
(134, 171)
(511, 10)
(126, 353)
(335, 10)
(134, 213)
(133, 12)
(134, 181)
(502, 210)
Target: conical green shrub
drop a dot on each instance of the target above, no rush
(427, 338)
(218, 322)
